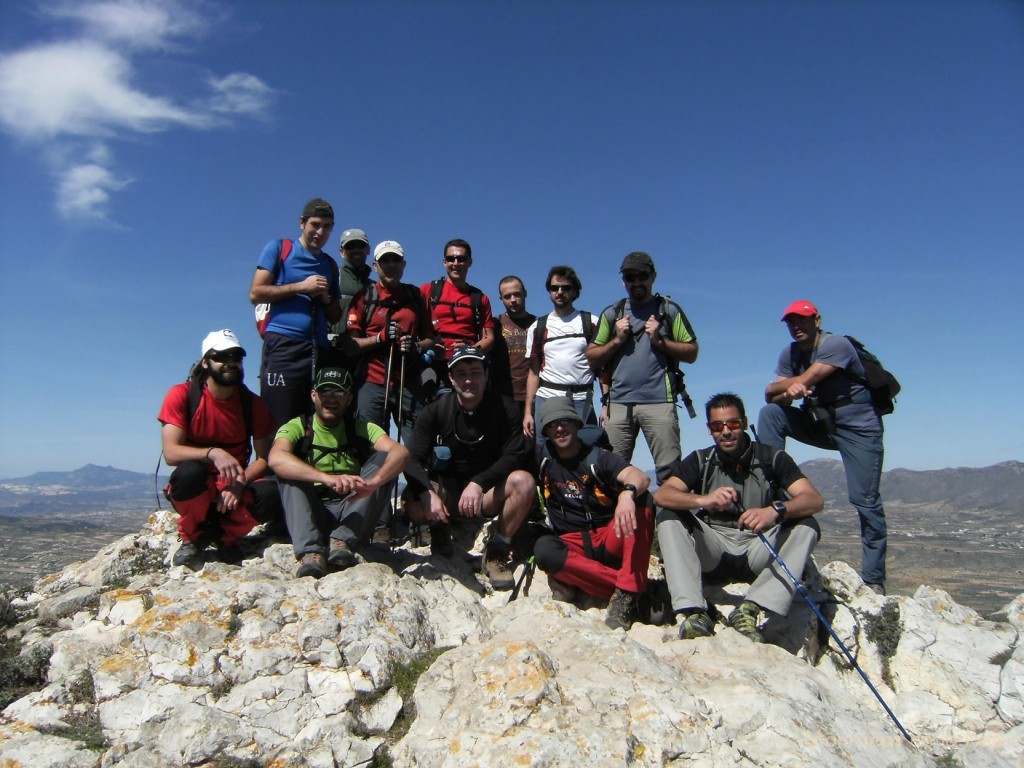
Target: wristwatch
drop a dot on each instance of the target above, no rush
(780, 509)
(631, 488)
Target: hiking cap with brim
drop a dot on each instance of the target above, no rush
(467, 353)
(333, 378)
(800, 307)
(221, 341)
(637, 260)
(556, 409)
(353, 236)
(318, 208)
(388, 246)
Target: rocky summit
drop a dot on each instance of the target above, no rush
(408, 660)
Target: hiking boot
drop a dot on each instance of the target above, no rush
(562, 592)
(189, 555)
(231, 554)
(621, 609)
(876, 587)
(698, 623)
(498, 569)
(311, 564)
(744, 620)
(341, 555)
(441, 540)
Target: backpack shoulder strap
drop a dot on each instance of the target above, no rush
(588, 326)
(195, 396)
(436, 286)
(704, 464)
(371, 298)
(540, 335)
(765, 456)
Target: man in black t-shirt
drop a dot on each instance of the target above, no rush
(470, 443)
(601, 514)
(713, 506)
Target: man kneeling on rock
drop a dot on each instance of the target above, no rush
(729, 494)
(601, 514)
(336, 474)
(471, 443)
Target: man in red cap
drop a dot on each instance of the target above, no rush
(836, 413)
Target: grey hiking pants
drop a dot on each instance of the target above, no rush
(312, 520)
(691, 548)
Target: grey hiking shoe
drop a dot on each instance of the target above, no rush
(697, 623)
(189, 555)
(876, 587)
(621, 609)
(341, 555)
(311, 564)
(498, 569)
(744, 620)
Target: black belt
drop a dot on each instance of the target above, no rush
(567, 387)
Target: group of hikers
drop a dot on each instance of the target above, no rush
(495, 420)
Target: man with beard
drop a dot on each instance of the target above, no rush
(556, 347)
(389, 331)
(714, 504)
(639, 343)
(509, 366)
(336, 474)
(470, 442)
(300, 283)
(211, 427)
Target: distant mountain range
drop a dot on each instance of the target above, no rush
(89, 489)
(94, 488)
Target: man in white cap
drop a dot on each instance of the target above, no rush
(389, 331)
(212, 426)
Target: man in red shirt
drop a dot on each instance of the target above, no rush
(460, 312)
(387, 323)
(208, 423)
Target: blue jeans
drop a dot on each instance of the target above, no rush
(862, 455)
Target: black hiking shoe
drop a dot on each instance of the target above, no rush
(498, 570)
(562, 592)
(189, 555)
(696, 623)
(311, 564)
(621, 609)
(441, 540)
(341, 555)
(744, 620)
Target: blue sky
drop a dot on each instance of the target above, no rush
(867, 156)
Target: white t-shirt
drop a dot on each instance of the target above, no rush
(564, 355)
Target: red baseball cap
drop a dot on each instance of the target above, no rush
(800, 307)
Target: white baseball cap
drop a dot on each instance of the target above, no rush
(388, 246)
(219, 341)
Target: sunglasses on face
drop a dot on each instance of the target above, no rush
(635, 277)
(226, 357)
(390, 260)
(332, 392)
(561, 423)
(734, 425)
(456, 259)
(559, 289)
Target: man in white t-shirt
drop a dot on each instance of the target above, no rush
(556, 346)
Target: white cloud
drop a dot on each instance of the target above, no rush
(240, 94)
(54, 94)
(138, 23)
(81, 89)
(84, 191)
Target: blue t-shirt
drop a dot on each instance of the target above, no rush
(291, 317)
(845, 383)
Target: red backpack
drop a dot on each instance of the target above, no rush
(263, 310)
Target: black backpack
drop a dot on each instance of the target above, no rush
(372, 300)
(883, 385)
(360, 447)
(476, 302)
(596, 440)
(540, 333)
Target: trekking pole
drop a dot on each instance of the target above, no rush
(316, 349)
(401, 398)
(821, 617)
